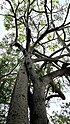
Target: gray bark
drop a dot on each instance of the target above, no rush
(38, 109)
(18, 112)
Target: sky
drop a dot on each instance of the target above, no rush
(2, 28)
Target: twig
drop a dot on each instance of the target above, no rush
(51, 96)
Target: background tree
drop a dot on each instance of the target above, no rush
(39, 39)
(63, 116)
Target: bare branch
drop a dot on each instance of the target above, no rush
(47, 79)
(63, 40)
(45, 1)
(55, 74)
(9, 72)
(51, 96)
(10, 5)
(66, 14)
(18, 5)
(32, 2)
(49, 31)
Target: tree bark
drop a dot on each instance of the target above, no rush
(38, 108)
(18, 112)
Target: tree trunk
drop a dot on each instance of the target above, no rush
(38, 109)
(18, 112)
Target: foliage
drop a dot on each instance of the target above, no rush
(50, 53)
(64, 115)
(9, 65)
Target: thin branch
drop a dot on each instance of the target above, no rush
(20, 47)
(36, 52)
(7, 15)
(51, 9)
(9, 72)
(42, 57)
(59, 50)
(63, 41)
(45, 1)
(38, 11)
(47, 32)
(66, 14)
(10, 5)
(15, 22)
(33, 22)
(18, 5)
(59, 38)
(16, 26)
(32, 2)
(51, 96)
(27, 16)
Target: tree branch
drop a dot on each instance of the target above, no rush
(51, 96)
(10, 5)
(45, 2)
(66, 14)
(47, 32)
(47, 79)
(9, 72)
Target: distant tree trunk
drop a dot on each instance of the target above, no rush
(18, 112)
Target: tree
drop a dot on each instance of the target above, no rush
(45, 56)
(64, 116)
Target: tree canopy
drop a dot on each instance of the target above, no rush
(40, 28)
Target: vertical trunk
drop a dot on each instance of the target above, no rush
(38, 109)
(18, 112)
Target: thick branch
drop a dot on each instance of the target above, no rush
(55, 74)
(47, 79)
